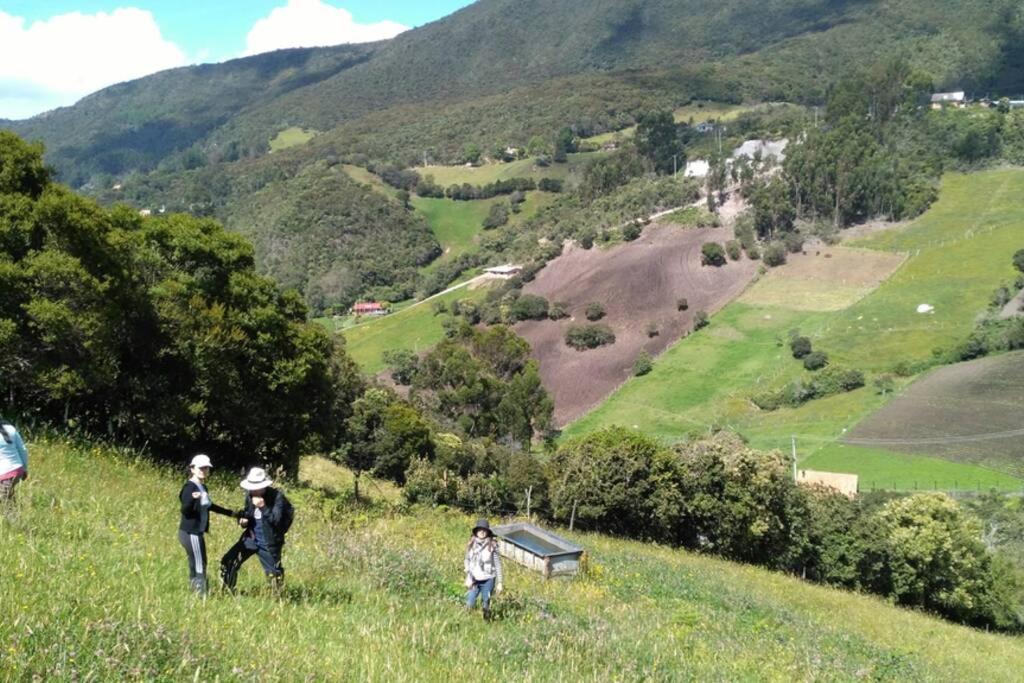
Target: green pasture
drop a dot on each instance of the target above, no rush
(96, 588)
(521, 168)
(291, 137)
(698, 112)
(959, 252)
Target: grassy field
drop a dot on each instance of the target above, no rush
(415, 328)
(956, 255)
(697, 113)
(522, 168)
(291, 137)
(95, 588)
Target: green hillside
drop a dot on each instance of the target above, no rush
(958, 253)
(100, 593)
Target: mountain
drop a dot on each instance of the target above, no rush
(494, 74)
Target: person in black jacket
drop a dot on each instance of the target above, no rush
(265, 521)
(196, 507)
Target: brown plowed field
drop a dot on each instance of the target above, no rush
(969, 412)
(638, 283)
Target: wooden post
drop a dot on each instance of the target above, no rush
(529, 490)
(572, 517)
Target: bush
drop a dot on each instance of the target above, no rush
(643, 364)
(403, 365)
(712, 254)
(775, 255)
(734, 250)
(529, 307)
(652, 330)
(631, 231)
(595, 312)
(815, 360)
(583, 337)
(558, 310)
(701, 320)
(794, 242)
(682, 304)
(1018, 260)
(753, 253)
(496, 217)
(800, 346)
(550, 185)
(587, 239)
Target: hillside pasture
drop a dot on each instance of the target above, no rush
(968, 412)
(493, 171)
(824, 279)
(291, 137)
(697, 112)
(956, 255)
(639, 284)
(98, 590)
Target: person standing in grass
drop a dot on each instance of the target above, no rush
(265, 520)
(196, 507)
(13, 463)
(482, 565)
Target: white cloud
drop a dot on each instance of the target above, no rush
(312, 23)
(57, 61)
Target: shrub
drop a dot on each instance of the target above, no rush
(800, 346)
(583, 337)
(815, 360)
(734, 250)
(775, 255)
(753, 253)
(587, 239)
(682, 304)
(631, 232)
(558, 310)
(794, 242)
(550, 185)
(701, 320)
(1018, 260)
(529, 307)
(595, 312)
(403, 365)
(496, 217)
(652, 330)
(643, 364)
(712, 254)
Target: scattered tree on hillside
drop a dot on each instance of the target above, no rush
(701, 320)
(643, 364)
(682, 304)
(529, 307)
(558, 310)
(496, 217)
(595, 311)
(403, 365)
(657, 139)
(583, 337)
(471, 153)
(1018, 260)
(800, 346)
(712, 254)
(815, 360)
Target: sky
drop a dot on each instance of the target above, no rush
(54, 52)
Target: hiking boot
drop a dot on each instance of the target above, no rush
(487, 613)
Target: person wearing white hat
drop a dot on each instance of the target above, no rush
(196, 507)
(267, 516)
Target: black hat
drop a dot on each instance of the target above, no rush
(482, 524)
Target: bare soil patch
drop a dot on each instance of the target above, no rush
(824, 278)
(968, 412)
(638, 283)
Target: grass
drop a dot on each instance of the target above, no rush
(96, 589)
(415, 328)
(291, 137)
(697, 113)
(522, 168)
(957, 254)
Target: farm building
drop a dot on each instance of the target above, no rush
(370, 308)
(955, 99)
(764, 148)
(504, 272)
(698, 168)
(845, 484)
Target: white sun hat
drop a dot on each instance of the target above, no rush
(201, 460)
(256, 480)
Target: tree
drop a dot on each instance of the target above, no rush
(471, 153)
(496, 217)
(595, 311)
(775, 255)
(657, 140)
(682, 304)
(712, 254)
(1018, 260)
(652, 329)
(558, 310)
(403, 364)
(583, 337)
(529, 307)
(773, 209)
(815, 360)
(701, 320)
(565, 143)
(631, 231)
(800, 346)
(734, 250)
(643, 364)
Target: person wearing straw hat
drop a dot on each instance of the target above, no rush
(265, 520)
(482, 565)
(13, 463)
(196, 507)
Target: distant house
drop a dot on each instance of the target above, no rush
(845, 484)
(953, 99)
(764, 148)
(117, 187)
(146, 212)
(370, 308)
(698, 168)
(705, 127)
(504, 272)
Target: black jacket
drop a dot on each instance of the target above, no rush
(191, 517)
(277, 517)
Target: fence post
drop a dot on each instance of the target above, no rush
(572, 517)
(529, 490)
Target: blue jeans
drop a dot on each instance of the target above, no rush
(483, 589)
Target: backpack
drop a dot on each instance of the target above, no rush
(287, 514)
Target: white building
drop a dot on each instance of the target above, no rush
(504, 272)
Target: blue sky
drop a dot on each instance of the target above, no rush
(53, 52)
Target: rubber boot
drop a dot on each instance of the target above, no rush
(276, 585)
(487, 613)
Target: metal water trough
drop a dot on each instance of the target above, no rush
(537, 549)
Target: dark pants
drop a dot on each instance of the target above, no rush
(483, 589)
(240, 552)
(195, 548)
(7, 487)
